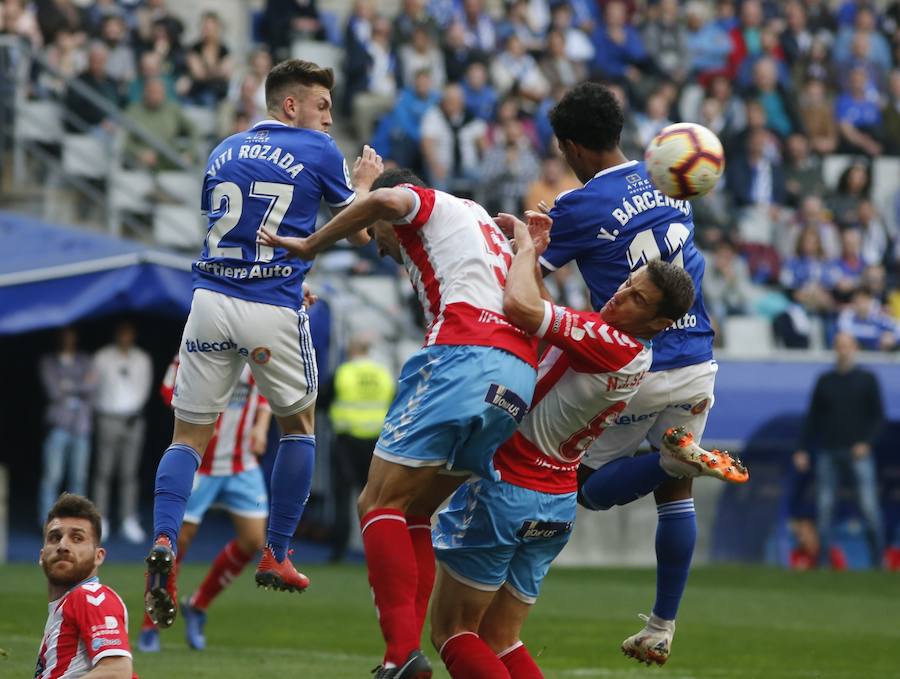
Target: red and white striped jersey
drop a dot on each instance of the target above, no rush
(85, 625)
(228, 451)
(585, 379)
(457, 259)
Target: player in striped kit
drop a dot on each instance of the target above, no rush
(229, 476)
(87, 627)
(496, 540)
(458, 398)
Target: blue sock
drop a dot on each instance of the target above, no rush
(622, 481)
(291, 481)
(174, 480)
(676, 534)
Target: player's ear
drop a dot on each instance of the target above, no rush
(99, 556)
(659, 324)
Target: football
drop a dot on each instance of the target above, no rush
(685, 160)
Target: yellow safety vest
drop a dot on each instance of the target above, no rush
(363, 390)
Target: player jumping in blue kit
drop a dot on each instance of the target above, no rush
(246, 310)
(616, 224)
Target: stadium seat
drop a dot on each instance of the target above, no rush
(205, 120)
(377, 291)
(322, 53)
(178, 227)
(832, 168)
(39, 121)
(131, 191)
(885, 173)
(748, 335)
(180, 187)
(84, 155)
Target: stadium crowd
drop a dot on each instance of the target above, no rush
(461, 92)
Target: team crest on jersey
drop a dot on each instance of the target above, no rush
(261, 355)
(700, 407)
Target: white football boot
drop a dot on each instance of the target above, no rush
(653, 643)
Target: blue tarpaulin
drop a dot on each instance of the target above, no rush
(51, 276)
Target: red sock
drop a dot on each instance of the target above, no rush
(420, 534)
(519, 663)
(227, 565)
(466, 656)
(391, 562)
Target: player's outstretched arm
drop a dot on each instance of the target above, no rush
(523, 302)
(387, 204)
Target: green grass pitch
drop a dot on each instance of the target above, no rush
(736, 622)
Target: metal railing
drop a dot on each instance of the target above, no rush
(19, 65)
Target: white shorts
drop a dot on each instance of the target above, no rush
(668, 398)
(223, 333)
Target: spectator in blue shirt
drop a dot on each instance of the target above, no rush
(867, 322)
(708, 43)
(859, 117)
(480, 31)
(481, 98)
(619, 52)
(399, 133)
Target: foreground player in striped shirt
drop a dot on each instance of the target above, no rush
(229, 477)
(86, 634)
(496, 540)
(458, 398)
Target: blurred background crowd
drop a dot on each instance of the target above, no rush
(805, 96)
(108, 109)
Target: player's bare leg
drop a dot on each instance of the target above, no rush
(501, 628)
(391, 560)
(293, 470)
(174, 479)
(456, 614)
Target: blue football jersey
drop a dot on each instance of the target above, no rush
(272, 176)
(614, 225)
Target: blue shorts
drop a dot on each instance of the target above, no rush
(454, 406)
(495, 533)
(243, 494)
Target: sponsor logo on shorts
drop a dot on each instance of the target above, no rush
(635, 418)
(543, 530)
(700, 407)
(195, 346)
(508, 400)
(97, 644)
(261, 355)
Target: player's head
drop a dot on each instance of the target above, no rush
(587, 122)
(72, 533)
(382, 232)
(650, 300)
(298, 93)
(845, 348)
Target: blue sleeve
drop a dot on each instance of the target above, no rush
(334, 176)
(567, 239)
(841, 108)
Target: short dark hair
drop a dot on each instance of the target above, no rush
(676, 286)
(70, 505)
(590, 116)
(396, 176)
(291, 73)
